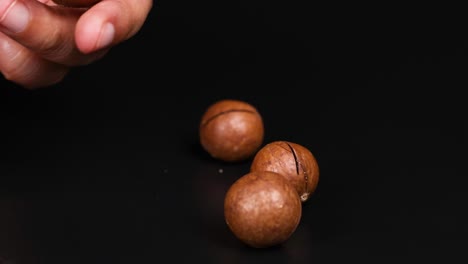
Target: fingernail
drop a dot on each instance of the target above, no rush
(15, 17)
(106, 37)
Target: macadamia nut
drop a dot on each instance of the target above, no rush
(294, 161)
(262, 209)
(231, 130)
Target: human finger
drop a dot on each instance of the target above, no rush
(46, 30)
(110, 22)
(21, 66)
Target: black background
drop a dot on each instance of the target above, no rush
(106, 167)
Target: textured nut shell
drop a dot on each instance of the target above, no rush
(262, 209)
(76, 3)
(293, 161)
(231, 130)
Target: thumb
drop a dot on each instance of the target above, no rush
(110, 22)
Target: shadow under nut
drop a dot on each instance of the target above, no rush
(231, 130)
(76, 3)
(294, 161)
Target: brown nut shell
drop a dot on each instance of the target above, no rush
(262, 209)
(76, 3)
(231, 130)
(294, 161)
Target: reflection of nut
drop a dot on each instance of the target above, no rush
(293, 161)
(231, 130)
(262, 209)
(76, 3)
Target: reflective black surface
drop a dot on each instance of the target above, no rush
(106, 167)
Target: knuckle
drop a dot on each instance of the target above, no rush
(56, 46)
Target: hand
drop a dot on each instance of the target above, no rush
(40, 41)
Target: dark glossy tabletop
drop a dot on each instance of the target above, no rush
(106, 167)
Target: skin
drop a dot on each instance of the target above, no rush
(38, 55)
(262, 209)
